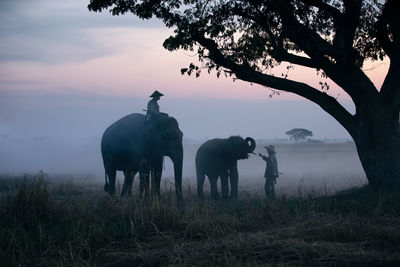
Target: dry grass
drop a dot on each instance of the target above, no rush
(67, 224)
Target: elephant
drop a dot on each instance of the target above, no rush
(132, 144)
(218, 158)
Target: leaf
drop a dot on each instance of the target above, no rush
(184, 70)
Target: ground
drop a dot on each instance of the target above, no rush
(44, 221)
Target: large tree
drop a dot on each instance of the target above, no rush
(335, 37)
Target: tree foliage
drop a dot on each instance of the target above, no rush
(247, 38)
(299, 134)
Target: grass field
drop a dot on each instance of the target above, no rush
(64, 223)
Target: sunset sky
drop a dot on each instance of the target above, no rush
(56, 54)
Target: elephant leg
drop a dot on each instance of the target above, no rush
(144, 184)
(112, 174)
(200, 183)
(214, 188)
(130, 184)
(224, 185)
(123, 192)
(155, 182)
(144, 173)
(156, 178)
(234, 180)
(127, 188)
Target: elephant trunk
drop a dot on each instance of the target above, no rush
(252, 144)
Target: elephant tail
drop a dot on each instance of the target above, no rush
(107, 185)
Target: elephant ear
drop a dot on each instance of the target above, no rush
(236, 147)
(153, 131)
(232, 141)
(168, 128)
(166, 123)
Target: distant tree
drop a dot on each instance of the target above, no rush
(247, 38)
(299, 134)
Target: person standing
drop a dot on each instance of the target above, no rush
(153, 109)
(271, 171)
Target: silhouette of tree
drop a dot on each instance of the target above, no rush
(299, 134)
(246, 39)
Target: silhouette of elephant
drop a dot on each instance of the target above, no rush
(133, 145)
(218, 158)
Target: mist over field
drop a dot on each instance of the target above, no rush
(61, 135)
(320, 167)
(67, 74)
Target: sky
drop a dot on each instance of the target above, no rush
(67, 73)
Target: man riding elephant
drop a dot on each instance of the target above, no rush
(153, 109)
(132, 145)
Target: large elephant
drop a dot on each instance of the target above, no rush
(218, 158)
(133, 145)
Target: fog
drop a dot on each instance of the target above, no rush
(61, 135)
(56, 58)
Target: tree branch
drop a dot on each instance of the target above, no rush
(388, 34)
(282, 55)
(387, 21)
(346, 74)
(324, 6)
(308, 40)
(279, 52)
(246, 73)
(346, 26)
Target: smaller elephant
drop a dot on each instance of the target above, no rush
(218, 158)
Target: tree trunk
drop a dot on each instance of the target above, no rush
(378, 144)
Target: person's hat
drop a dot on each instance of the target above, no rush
(156, 93)
(270, 148)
